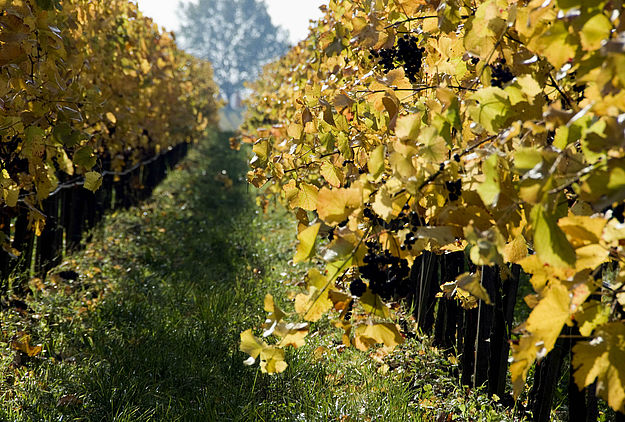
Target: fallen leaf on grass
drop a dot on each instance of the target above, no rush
(69, 400)
(22, 344)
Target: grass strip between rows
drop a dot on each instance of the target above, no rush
(149, 330)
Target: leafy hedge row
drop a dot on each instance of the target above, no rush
(402, 127)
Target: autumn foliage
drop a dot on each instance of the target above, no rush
(507, 142)
(86, 87)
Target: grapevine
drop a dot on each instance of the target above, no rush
(496, 125)
(88, 88)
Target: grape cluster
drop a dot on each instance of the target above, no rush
(406, 54)
(404, 219)
(454, 189)
(357, 287)
(388, 275)
(409, 240)
(500, 74)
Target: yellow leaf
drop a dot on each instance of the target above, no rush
(401, 164)
(333, 175)
(11, 195)
(490, 109)
(373, 305)
(23, 344)
(524, 354)
(489, 189)
(385, 333)
(582, 230)
(272, 360)
(335, 205)
(515, 250)
(251, 344)
(292, 334)
(544, 325)
(383, 203)
(314, 304)
(294, 130)
(306, 244)
(376, 162)
(590, 257)
(557, 44)
(274, 316)
(591, 315)
(307, 197)
(614, 232)
(111, 117)
(550, 315)
(603, 359)
(303, 197)
(483, 29)
(439, 235)
(471, 284)
(407, 127)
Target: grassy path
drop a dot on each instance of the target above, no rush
(150, 332)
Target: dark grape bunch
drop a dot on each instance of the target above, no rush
(357, 287)
(454, 189)
(500, 74)
(388, 275)
(406, 54)
(403, 220)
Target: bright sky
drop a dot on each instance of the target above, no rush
(292, 15)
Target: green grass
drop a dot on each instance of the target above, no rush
(150, 330)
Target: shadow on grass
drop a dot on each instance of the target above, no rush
(188, 264)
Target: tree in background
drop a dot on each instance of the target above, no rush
(236, 36)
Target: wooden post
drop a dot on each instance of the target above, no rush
(546, 377)
(424, 276)
(73, 210)
(445, 327)
(120, 192)
(5, 264)
(469, 331)
(90, 202)
(107, 189)
(505, 300)
(134, 186)
(24, 242)
(48, 249)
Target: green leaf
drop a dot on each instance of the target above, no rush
(93, 181)
(85, 157)
(594, 31)
(550, 242)
(491, 108)
(489, 189)
(376, 162)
